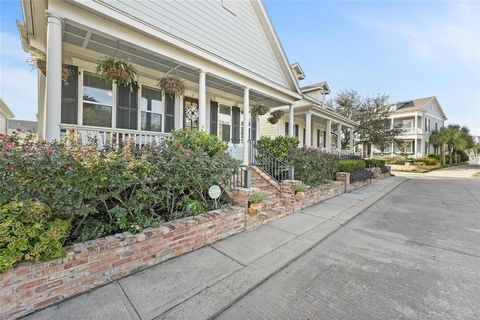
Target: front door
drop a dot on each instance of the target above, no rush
(190, 114)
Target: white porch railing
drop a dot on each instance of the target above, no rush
(113, 137)
(411, 130)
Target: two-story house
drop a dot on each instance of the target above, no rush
(418, 118)
(5, 115)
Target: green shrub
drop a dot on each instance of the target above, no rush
(105, 191)
(300, 187)
(429, 161)
(258, 197)
(351, 165)
(29, 231)
(312, 166)
(280, 147)
(371, 163)
(395, 159)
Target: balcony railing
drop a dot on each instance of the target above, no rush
(114, 137)
(411, 130)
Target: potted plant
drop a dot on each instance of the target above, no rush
(259, 109)
(300, 190)
(171, 86)
(119, 71)
(255, 203)
(275, 116)
(41, 65)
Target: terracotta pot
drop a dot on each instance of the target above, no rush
(254, 208)
(299, 196)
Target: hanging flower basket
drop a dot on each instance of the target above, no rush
(275, 116)
(171, 86)
(42, 66)
(119, 71)
(259, 109)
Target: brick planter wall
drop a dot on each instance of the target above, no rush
(323, 192)
(31, 286)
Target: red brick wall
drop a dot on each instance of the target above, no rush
(32, 286)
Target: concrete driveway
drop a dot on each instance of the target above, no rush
(414, 254)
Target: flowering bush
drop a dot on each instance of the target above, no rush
(105, 191)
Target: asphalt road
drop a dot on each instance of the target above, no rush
(415, 254)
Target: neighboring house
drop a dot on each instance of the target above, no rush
(5, 115)
(310, 120)
(418, 118)
(22, 126)
(226, 51)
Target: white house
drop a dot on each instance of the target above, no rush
(227, 52)
(418, 118)
(311, 121)
(5, 115)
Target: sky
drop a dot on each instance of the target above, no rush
(406, 49)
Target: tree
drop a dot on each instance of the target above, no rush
(373, 115)
(440, 138)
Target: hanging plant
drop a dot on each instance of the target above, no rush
(275, 116)
(259, 109)
(171, 86)
(119, 71)
(41, 65)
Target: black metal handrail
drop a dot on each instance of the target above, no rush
(240, 178)
(268, 163)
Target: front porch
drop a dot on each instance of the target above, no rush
(214, 101)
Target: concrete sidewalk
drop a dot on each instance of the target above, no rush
(204, 283)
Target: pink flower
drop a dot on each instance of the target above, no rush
(9, 146)
(19, 130)
(70, 168)
(50, 150)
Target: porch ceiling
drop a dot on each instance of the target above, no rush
(96, 41)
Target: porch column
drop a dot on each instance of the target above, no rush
(290, 121)
(339, 137)
(53, 84)
(41, 105)
(328, 143)
(202, 101)
(351, 140)
(308, 129)
(246, 120)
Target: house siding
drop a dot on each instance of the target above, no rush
(3, 124)
(238, 38)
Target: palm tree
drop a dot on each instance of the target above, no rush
(440, 138)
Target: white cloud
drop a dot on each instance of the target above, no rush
(437, 35)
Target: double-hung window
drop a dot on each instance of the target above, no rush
(225, 120)
(152, 109)
(97, 101)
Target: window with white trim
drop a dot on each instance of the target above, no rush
(97, 101)
(151, 106)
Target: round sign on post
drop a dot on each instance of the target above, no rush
(214, 192)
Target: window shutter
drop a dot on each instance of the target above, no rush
(324, 139)
(169, 113)
(127, 107)
(286, 128)
(254, 128)
(318, 138)
(304, 136)
(235, 125)
(296, 130)
(213, 118)
(69, 110)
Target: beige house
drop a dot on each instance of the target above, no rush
(311, 121)
(227, 52)
(5, 115)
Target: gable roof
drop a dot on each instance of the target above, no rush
(417, 105)
(5, 110)
(322, 85)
